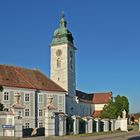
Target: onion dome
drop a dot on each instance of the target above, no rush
(62, 35)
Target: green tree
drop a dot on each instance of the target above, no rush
(115, 107)
(121, 103)
(1, 107)
(109, 111)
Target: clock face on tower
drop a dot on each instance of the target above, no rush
(59, 52)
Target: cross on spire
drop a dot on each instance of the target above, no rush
(63, 14)
(63, 22)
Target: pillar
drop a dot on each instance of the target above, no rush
(50, 118)
(97, 125)
(112, 125)
(18, 124)
(90, 125)
(17, 108)
(76, 124)
(18, 128)
(49, 123)
(106, 125)
(62, 124)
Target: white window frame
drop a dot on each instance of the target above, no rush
(40, 113)
(61, 104)
(27, 97)
(40, 124)
(40, 98)
(27, 112)
(6, 96)
(27, 125)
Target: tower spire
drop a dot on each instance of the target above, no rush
(63, 14)
(62, 35)
(63, 22)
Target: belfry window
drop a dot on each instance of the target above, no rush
(58, 63)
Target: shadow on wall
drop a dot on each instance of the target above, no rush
(134, 138)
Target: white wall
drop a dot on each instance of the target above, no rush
(98, 106)
(6, 120)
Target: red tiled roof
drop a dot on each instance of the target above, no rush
(96, 114)
(95, 98)
(101, 98)
(12, 76)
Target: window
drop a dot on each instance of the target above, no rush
(60, 110)
(26, 112)
(40, 98)
(27, 125)
(40, 112)
(60, 103)
(6, 109)
(58, 63)
(40, 124)
(19, 113)
(6, 96)
(27, 97)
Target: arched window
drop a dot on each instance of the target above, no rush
(58, 63)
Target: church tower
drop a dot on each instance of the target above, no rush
(63, 58)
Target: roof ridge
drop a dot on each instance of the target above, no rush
(19, 67)
(107, 92)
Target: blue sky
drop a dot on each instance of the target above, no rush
(106, 34)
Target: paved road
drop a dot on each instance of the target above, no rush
(116, 136)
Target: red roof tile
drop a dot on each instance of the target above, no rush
(101, 98)
(12, 76)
